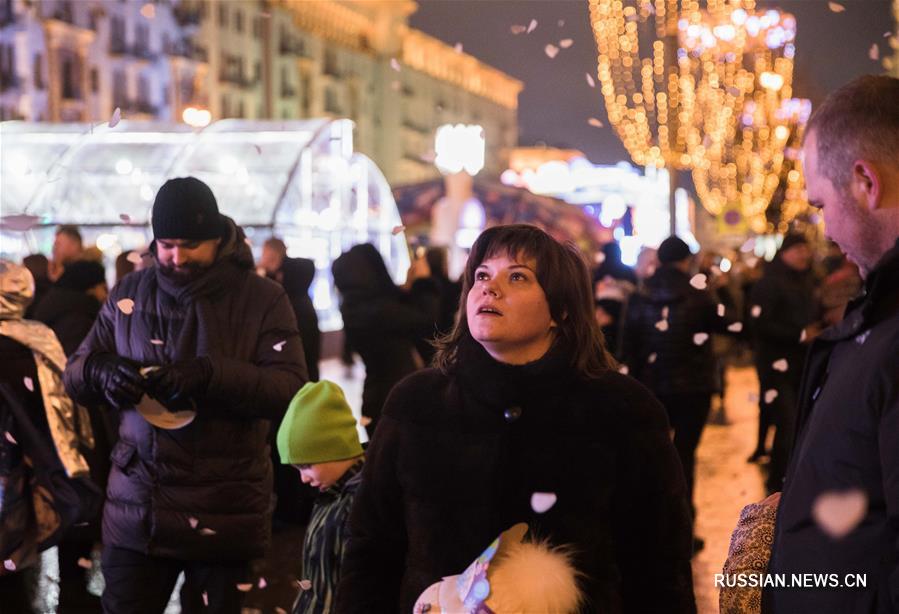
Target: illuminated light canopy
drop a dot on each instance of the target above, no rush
(459, 147)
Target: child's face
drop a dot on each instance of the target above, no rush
(323, 475)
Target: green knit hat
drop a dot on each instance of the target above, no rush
(319, 427)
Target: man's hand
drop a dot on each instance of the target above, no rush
(180, 382)
(116, 378)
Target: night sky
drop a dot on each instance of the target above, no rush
(831, 48)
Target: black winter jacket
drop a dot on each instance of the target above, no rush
(382, 322)
(70, 314)
(848, 439)
(203, 492)
(660, 344)
(457, 458)
(297, 276)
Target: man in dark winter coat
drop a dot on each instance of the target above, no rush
(71, 304)
(784, 319)
(197, 498)
(667, 345)
(845, 462)
(296, 275)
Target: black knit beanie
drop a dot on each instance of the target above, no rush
(185, 208)
(82, 275)
(673, 249)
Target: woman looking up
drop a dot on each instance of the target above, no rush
(523, 419)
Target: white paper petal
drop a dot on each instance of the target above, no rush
(458, 48)
(305, 585)
(193, 522)
(394, 64)
(652, 358)
(126, 306)
(397, 230)
(860, 339)
(244, 588)
(85, 563)
(780, 365)
(803, 336)
(9, 565)
(590, 80)
(665, 311)
(10, 438)
(551, 51)
(518, 29)
(662, 325)
(700, 338)
(721, 310)
(29, 383)
(836, 7)
(837, 513)
(116, 117)
(262, 583)
(770, 395)
(623, 370)
(565, 43)
(542, 501)
(205, 599)
(206, 531)
(279, 346)
(756, 311)
(532, 26)
(595, 122)
(736, 327)
(699, 281)
(364, 420)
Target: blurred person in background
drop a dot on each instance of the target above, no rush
(613, 283)
(67, 247)
(383, 322)
(39, 266)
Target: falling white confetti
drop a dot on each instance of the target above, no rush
(700, 338)
(623, 370)
(205, 599)
(394, 64)
(397, 230)
(887, 34)
(542, 501)
(652, 358)
(205, 531)
(756, 311)
(518, 30)
(134, 257)
(10, 438)
(125, 218)
(837, 513)
(874, 52)
(599, 258)
(780, 365)
(458, 48)
(803, 336)
(736, 327)
(662, 325)
(305, 585)
(157, 341)
(551, 50)
(565, 43)
(836, 7)
(699, 281)
(262, 583)
(721, 310)
(590, 80)
(29, 383)
(860, 339)
(279, 346)
(532, 26)
(193, 522)
(148, 11)
(364, 420)
(770, 395)
(258, 149)
(116, 118)
(561, 23)
(244, 588)
(9, 564)
(665, 311)
(126, 306)
(85, 563)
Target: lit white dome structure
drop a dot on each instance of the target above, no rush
(299, 180)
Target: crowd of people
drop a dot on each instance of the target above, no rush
(534, 408)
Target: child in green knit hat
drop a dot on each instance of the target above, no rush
(318, 436)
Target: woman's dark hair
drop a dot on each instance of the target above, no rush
(563, 275)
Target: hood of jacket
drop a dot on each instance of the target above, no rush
(16, 290)
(361, 271)
(297, 275)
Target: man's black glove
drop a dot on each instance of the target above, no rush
(177, 384)
(118, 380)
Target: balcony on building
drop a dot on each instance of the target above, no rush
(119, 47)
(237, 78)
(187, 16)
(9, 81)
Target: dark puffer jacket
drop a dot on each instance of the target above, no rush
(297, 276)
(660, 345)
(70, 314)
(217, 469)
(456, 461)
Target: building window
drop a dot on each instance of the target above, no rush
(95, 80)
(238, 21)
(223, 16)
(257, 27)
(119, 89)
(116, 35)
(38, 71)
(143, 38)
(225, 109)
(240, 109)
(257, 71)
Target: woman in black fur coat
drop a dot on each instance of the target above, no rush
(523, 419)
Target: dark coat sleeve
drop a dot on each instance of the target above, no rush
(101, 338)
(630, 347)
(652, 513)
(263, 387)
(374, 561)
(888, 439)
(772, 324)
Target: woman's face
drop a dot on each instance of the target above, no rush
(507, 310)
